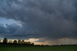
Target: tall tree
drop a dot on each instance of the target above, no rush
(5, 41)
(0, 41)
(15, 42)
(23, 42)
(19, 41)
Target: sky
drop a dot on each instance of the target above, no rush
(51, 22)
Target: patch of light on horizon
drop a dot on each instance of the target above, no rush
(33, 39)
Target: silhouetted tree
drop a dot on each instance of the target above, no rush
(5, 41)
(22, 42)
(33, 44)
(19, 41)
(28, 42)
(15, 42)
(0, 41)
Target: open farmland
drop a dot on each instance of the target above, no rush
(40, 48)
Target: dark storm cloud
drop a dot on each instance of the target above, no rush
(2, 29)
(42, 18)
(13, 31)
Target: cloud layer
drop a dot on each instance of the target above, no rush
(53, 19)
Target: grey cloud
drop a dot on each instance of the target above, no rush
(2, 29)
(13, 31)
(42, 18)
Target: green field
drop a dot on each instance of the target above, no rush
(54, 48)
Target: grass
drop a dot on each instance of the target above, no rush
(53, 48)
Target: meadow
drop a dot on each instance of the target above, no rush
(40, 48)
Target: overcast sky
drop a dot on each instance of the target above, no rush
(50, 21)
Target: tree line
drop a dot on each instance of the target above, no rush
(16, 42)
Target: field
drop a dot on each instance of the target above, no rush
(52, 48)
